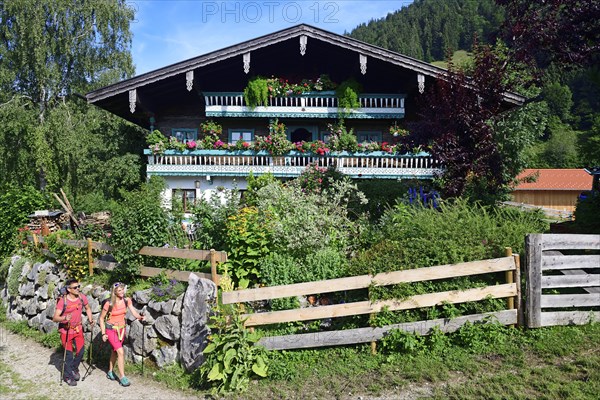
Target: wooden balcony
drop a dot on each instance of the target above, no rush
(377, 165)
(307, 105)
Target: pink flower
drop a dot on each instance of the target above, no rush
(191, 145)
(246, 145)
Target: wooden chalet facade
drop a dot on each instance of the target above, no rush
(176, 99)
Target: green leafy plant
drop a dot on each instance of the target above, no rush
(347, 94)
(248, 240)
(232, 357)
(163, 288)
(256, 92)
(73, 259)
(16, 203)
(14, 276)
(276, 143)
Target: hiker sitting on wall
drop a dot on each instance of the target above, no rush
(113, 329)
(69, 309)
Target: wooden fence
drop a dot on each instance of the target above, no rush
(203, 255)
(509, 264)
(563, 279)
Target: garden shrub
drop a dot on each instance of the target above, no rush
(16, 203)
(140, 221)
(248, 241)
(587, 213)
(306, 222)
(73, 259)
(210, 217)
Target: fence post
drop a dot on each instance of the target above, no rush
(510, 301)
(213, 267)
(533, 251)
(519, 298)
(90, 259)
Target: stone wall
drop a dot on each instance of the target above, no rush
(174, 330)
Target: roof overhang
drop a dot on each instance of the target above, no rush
(115, 98)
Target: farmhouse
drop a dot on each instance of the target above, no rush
(300, 67)
(552, 189)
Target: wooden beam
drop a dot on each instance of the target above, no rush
(570, 242)
(569, 317)
(366, 335)
(366, 307)
(562, 262)
(203, 255)
(533, 252)
(364, 281)
(570, 300)
(564, 281)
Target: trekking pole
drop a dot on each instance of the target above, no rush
(62, 372)
(90, 367)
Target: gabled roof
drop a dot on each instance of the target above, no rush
(555, 179)
(114, 97)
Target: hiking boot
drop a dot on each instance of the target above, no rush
(111, 375)
(76, 375)
(70, 381)
(124, 381)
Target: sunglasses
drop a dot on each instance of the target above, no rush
(118, 284)
(74, 287)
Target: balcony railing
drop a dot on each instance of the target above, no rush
(240, 163)
(307, 105)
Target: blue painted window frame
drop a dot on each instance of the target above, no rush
(183, 134)
(235, 130)
(369, 136)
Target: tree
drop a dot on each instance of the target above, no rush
(457, 124)
(49, 51)
(543, 31)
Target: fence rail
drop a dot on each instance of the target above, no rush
(558, 282)
(509, 265)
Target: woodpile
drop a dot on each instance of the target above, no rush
(46, 221)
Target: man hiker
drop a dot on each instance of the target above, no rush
(68, 313)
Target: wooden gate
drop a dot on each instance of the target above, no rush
(563, 279)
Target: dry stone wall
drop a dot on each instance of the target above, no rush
(173, 331)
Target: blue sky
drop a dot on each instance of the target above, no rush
(168, 31)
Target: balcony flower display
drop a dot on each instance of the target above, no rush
(276, 143)
(240, 145)
(175, 144)
(191, 145)
(220, 145)
(397, 131)
(341, 139)
(209, 131)
(156, 141)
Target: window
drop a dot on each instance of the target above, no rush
(299, 133)
(247, 135)
(325, 136)
(369, 137)
(184, 135)
(186, 196)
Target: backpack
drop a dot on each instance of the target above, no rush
(110, 306)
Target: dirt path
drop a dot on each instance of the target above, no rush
(28, 370)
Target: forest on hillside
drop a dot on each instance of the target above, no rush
(565, 99)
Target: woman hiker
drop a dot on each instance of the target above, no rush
(113, 329)
(69, 309)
